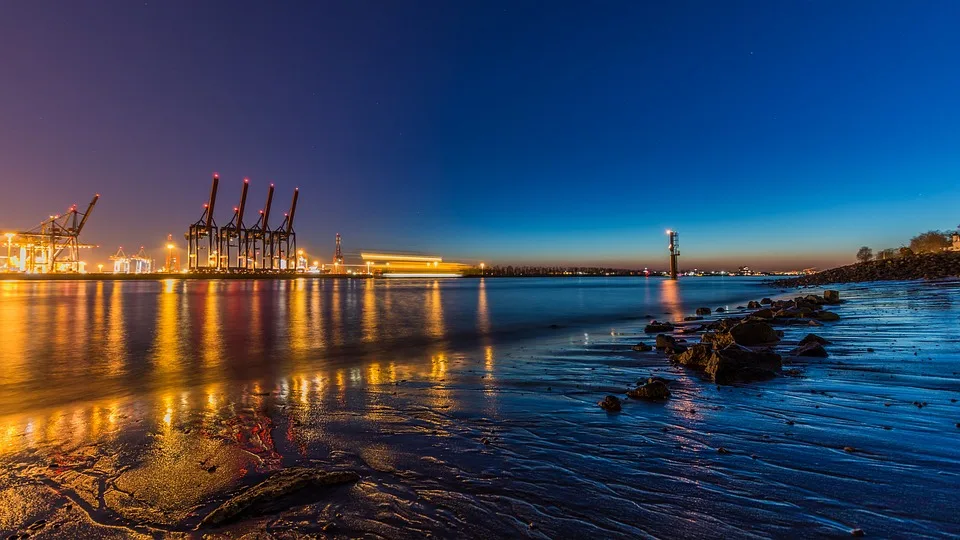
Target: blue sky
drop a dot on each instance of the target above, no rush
(776, 134)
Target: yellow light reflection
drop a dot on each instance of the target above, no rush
(116, 334)
(212, 341)
(370, 322)
(670, 298)
(483, 312)
(434, 309)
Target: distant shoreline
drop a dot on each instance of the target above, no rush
(162, 277)
(941, 265)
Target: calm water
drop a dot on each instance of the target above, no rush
(121, 338)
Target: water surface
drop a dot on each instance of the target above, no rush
(469, 409)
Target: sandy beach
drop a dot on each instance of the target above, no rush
(505, 439)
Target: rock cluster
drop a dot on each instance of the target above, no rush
(653, 389)
(925, 266)
(735, 349)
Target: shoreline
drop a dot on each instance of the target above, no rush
(928, 266)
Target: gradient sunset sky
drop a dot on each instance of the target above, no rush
(778, 134)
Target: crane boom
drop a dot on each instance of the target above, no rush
(86, 215)
(243, 202)
(293, 210)
(213, 200)
(266, 209)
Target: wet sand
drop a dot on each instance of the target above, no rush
(509, 442)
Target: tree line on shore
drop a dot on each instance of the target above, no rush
(928, 242)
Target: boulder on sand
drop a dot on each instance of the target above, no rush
(653, 389)
(656, 327)
(718, 339)
(831, 297)
(753, 304)
(754, 333)
(765, 313)
(642, 347)
(813, 338)
(695, 356)
(703, 311)
(736, 363)
(664, 341)
(809, 349)
(826, 316)
(766, 301)
(610, 404)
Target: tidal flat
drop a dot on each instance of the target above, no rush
(468, 409)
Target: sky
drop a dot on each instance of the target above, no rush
(772, 134)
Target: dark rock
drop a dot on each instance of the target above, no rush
(813, 338)
(857, 532)
(722, 450)
(724, 325)
(642, 347)
(664, 341)
(657, 327)
(831, 297)
(695, 356)
(285, 482)
(654, 389)
(826, 316)
(810, 349)
(720, 310)
(703, 311)
(675, 348)
(693, 318)
(718, 339)
(736, 363)
(766, 313)
(766, 301)
(753, 304)
(754, 333)
(610, 404)
(813, 299)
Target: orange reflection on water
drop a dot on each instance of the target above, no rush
(670, 298)
(370, 323)
(116, 333)
(335, 307)
(212, 343)
(299, 327)
(15, 340)
(434, 309)
(166, 348)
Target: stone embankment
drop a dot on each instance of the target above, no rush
(910, 267)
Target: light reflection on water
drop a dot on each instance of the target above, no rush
(72, 351)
